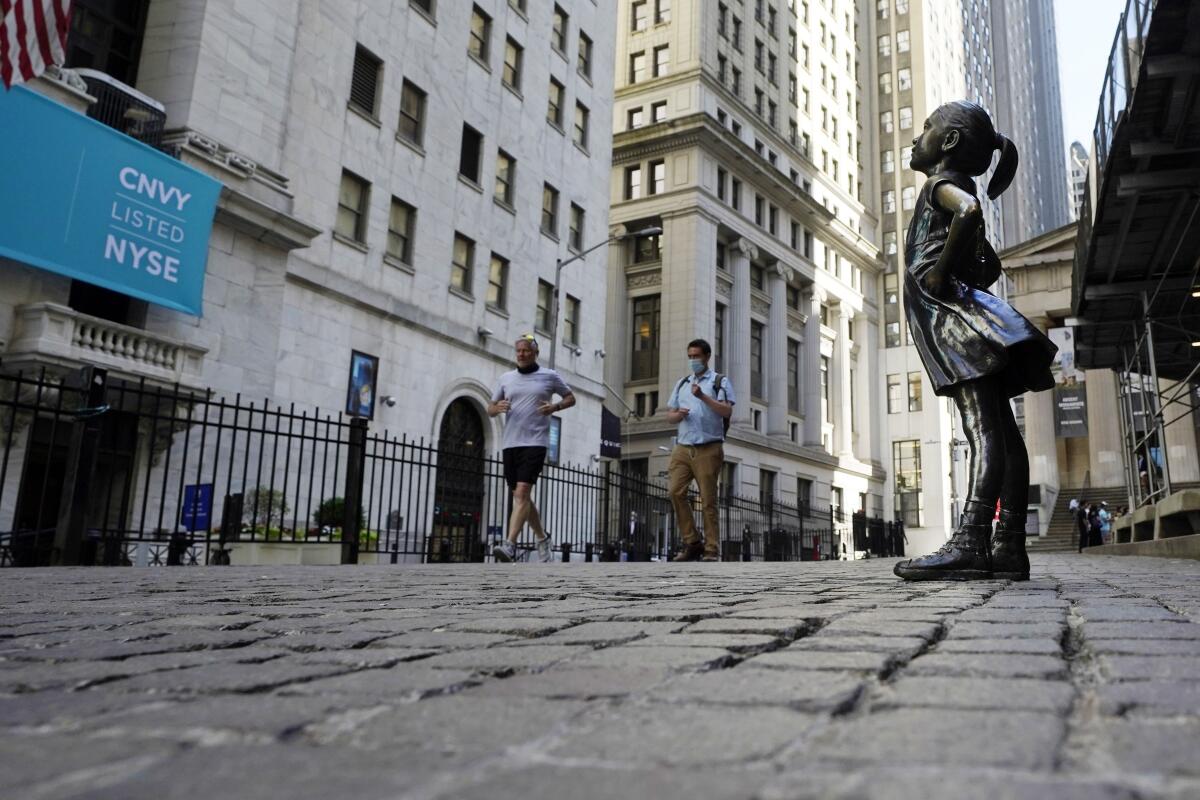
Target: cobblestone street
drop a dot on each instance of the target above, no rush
(781, 680)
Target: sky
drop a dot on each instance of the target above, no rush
(1085, 30)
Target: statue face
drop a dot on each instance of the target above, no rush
(932, 145)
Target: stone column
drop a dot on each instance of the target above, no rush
(777, 387)
(1104, 429)
(689, 292)
(738, 336)
(811, 368)
(842, 425)
(1180, 435)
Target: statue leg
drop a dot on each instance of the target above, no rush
(967, 555)
(1009, 559)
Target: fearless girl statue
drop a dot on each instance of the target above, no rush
(975, 347)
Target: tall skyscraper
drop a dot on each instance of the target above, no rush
(737, 131)
(1029, 111)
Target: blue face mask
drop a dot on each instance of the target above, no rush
(696, 365)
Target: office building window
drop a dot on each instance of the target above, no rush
(545, 307)
(662, 11)
(513, 55)
(885, 46)
(584, 61)
(895, 400)
(908, 198)
(902, 41)
(639, 15)
(793, 376)
(506, 175)
(662, 61)
(481, 34)
(906, 118)
(658, 177)
(581, 125)
(412, 114)
(497, 291)
(554, 105)
(575, 234)
(888, 161)
(885, 83)
(637, 67)
(658, 111)
(571, 320)
(558, 36)
(469, 152)
(756, 359)
(646, 249)
(906, 470)
(401, 222)
(719, 338)
(635, 117)
(825, 404)
(904, 79)
(549, 210)
(644, 361)
(353, 195)
(633, 182)
(914, 391)
(462, 263)
(891, 310)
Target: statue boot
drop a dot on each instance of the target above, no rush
(1009, 559)
(966, 557)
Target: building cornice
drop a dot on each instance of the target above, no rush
(701, 130)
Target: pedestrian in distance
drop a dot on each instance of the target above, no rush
(1079, 515)
(524, 395)
(701, 406)
(976, 348)
(1105, 522)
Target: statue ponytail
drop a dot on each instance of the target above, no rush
(1006, 168)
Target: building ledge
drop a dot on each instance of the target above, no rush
(59, 338)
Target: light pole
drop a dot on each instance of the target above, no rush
(560, 263)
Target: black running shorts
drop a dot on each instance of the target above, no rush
(523, 465)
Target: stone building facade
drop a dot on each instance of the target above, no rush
(736, 131)
(399, 178)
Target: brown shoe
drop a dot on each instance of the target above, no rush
(710, 557)
(691, 551)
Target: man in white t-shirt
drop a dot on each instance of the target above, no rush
(524, 396)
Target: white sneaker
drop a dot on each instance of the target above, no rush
(545, 554)
(504, 552)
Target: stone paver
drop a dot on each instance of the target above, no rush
(748, 681)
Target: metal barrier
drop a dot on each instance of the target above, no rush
(94, 471)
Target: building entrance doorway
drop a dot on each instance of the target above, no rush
(457, 533)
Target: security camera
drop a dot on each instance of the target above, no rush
(484, 332)
(600, 353)
(389, 401)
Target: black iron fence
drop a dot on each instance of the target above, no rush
(94, 471)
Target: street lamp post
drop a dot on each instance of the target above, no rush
(560, 263)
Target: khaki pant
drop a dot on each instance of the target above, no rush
(703, 463)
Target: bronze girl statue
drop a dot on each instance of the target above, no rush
(976, 348)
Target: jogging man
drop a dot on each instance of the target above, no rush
(701, 406)
(524, 396)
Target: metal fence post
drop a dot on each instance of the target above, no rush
(80, 469)
(356, 453)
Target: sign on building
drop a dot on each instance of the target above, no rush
(1070, 390)
(610, 434)
(84, 200)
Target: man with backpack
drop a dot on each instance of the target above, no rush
(701, 406)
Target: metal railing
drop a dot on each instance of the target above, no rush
(1116, 95)
(124, 108)
(96, 470)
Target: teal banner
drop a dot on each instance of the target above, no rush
(86, 201)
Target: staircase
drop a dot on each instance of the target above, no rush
(1062, 535)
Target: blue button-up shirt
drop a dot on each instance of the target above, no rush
(702, 425)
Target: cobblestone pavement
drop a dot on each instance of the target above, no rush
(830, 680)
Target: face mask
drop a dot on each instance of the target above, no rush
(696, 365)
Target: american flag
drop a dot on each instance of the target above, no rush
(33, 34)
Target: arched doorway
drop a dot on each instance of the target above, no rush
(459, 490)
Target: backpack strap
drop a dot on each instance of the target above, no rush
(717, 378)
(682, 381)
